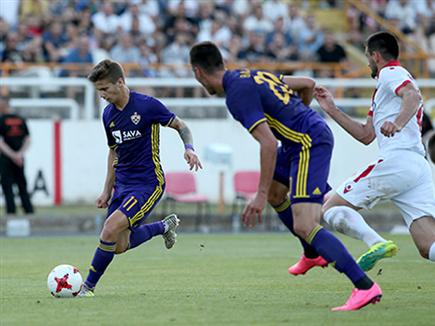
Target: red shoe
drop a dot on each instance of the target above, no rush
(305, 264)
(361, 298)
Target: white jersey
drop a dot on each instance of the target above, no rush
(386, 105)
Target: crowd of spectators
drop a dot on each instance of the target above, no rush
(161, 32)
(414, 18)
(149, 32)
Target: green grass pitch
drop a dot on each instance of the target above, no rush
(218, 279)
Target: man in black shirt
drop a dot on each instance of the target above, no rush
(14, 141)
(428, 134)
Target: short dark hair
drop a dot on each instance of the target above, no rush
(107, 70)
(207, 56)
(385, 43)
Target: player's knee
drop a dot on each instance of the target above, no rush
(110, 232)
(302, 229)
(276, 198)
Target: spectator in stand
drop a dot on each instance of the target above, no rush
(33, 52)
(102, 48)
(125, 51)
(331, 51)
(80, 53)
(34, 8)
(85, 24)
(294, 22)
(105, 20)
(146, 60)
(241, 8)
(177, 53)
(279, 50)
(219, 34)
(257, 22)
(205, 16)
(149, 7)
(274, 9)
(255, 50)
(279, 28)
(230, 53)
(310, 39)
(133, 15)
(190, 8)
(12, 53)
(405, 12)
(54, 41)
(34, 26)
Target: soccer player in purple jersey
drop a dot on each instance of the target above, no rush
(267, 107)
(135, 180)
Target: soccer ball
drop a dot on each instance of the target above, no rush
(64, 281)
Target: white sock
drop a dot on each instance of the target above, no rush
(349, 222)
(432, 252)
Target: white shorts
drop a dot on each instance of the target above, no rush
(404, 177)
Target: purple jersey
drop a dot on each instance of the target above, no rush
(134, 134)
(254, 96)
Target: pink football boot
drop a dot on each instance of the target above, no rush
(305, 264)
(361, 298)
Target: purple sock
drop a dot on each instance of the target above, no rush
(330, 248)
(145, 232)
(102, 258)
(285, 214)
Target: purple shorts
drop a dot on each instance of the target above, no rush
(305, 170)
(136, 204)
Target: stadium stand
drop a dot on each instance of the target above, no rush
(41, 38)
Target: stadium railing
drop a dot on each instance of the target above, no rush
(88, 107)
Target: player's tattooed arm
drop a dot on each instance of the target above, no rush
(187, 138)
(183, 130)
(303, 85)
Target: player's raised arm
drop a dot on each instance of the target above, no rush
(103, 199)
(186, 136)
(268, 146)
(364, 133)
(411, 101)
(303, 85)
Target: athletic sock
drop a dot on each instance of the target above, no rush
(285, 214)
(432, 252)
(144, 233)
(330, 248)
(349, 222)
(102, 258)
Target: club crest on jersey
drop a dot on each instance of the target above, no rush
(135, 118)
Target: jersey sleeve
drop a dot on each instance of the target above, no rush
(160, 113)
(244, 104)
(395, 79)
(111, 142)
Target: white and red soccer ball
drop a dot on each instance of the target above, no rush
(64, 281)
